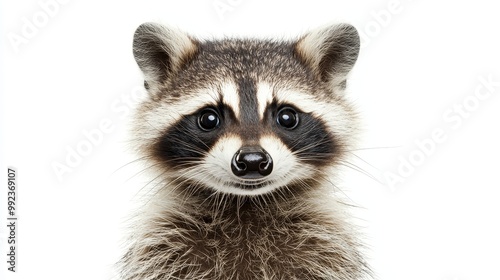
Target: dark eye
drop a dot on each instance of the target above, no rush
(288, 118)
(208, 119)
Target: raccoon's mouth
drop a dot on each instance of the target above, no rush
(251, 186)
(244, 187)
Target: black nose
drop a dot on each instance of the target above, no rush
(252, 163)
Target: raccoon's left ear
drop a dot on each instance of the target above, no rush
(331, 52)
(160, 51)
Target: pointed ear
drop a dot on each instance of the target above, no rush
(160, 51)
(331, 52)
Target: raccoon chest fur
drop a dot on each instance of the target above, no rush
(243, 140)
(247, 240)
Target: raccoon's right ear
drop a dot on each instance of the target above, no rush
(331, 52)
(159, 51)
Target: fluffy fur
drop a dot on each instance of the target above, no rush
(204, 222)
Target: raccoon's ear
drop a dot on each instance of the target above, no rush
(331, 52)
(159, 51)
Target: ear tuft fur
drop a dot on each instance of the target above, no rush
(160, 51)
(331, 52)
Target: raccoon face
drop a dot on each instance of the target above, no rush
(245, 117)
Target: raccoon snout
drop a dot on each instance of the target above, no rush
(251, 162)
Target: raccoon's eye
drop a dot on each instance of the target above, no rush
(288, 118)
(208, 119)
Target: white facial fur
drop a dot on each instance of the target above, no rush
(217, 169)
(230, 97)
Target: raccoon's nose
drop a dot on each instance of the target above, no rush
(252, 163)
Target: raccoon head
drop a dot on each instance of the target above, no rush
(245, 116)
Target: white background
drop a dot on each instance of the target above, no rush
(420, 61)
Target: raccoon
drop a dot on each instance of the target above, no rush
(244, 138)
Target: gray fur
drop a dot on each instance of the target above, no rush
(191, 229)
